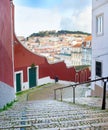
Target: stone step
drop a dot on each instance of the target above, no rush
(52, 115)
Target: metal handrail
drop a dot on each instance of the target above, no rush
(104, 79)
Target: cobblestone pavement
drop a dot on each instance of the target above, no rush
(48, 114)
(53, 115)
(67, 95)
(89, 101)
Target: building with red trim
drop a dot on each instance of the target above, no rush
(7, 93)
(32, 69)
(20, 68)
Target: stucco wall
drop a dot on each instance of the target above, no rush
(98, 3)
(6, 64)
(99, 43)
(7, 93)
(24, 58)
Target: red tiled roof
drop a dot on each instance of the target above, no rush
(77, 45)
(88, 38)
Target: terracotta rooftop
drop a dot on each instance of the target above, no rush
(77, 45)
(88, 38)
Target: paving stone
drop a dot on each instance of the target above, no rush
(52, 115)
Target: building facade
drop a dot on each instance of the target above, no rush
(87, 51)
(99, 44)
(76, 56)
(7, 93)
(33, 70)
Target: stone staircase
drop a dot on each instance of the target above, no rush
(52, 115)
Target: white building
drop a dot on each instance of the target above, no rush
(77, 54)
(65, 51)
(87, 51)
(99, 43)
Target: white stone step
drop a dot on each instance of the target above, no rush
(53, 115)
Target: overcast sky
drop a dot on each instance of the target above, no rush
(41, 15)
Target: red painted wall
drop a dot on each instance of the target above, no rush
(6, 64)
(23, 58)
(63, 73)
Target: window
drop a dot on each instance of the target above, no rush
(99, 25)
(98, 69)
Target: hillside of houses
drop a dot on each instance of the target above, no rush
(72, 47)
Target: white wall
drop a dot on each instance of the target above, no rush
(98, 3)
(45, 80)
(7, 94)
(100, 43)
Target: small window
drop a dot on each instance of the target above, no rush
(98, 69)
(99, 25)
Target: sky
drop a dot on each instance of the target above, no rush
(32, 16)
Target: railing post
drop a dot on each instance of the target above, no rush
(54, 94)
(105, 80)
(104, 96)
(61, 94)
(27, 96)
(74, 94)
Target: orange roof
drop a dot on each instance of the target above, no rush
(77, 45)
(88, 38)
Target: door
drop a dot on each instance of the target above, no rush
(32, 77)
(18, 82)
